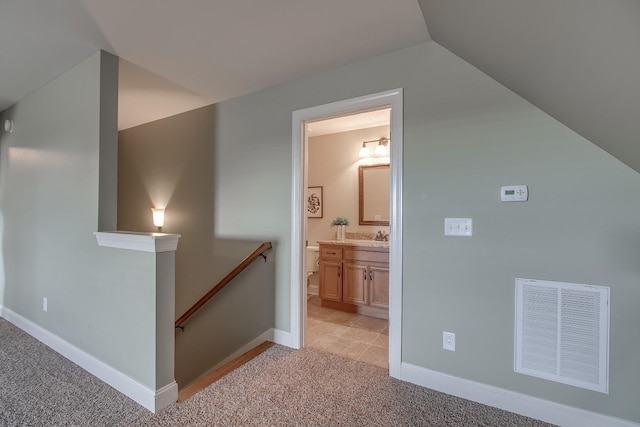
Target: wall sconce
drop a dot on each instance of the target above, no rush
(380, 150)
(8, 125)
(158, 217)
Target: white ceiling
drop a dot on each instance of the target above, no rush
(176, 56)
(364, 120)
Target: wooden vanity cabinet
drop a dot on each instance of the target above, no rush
(331, 272)
(355, 279)
(355, 283)
(379, 286)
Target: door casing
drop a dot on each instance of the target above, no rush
(394, 100)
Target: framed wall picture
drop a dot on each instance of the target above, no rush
(314, 202)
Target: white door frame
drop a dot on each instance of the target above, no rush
(393, 99)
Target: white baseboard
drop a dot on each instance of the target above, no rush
(283, 338)
(265, 336)
(153, 400)
(511, 401)
(165, 396)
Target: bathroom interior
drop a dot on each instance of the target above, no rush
(347, 275)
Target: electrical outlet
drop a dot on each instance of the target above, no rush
(44, 304)
(449, 341)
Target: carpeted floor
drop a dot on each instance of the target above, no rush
(281, 387)
(39, 387)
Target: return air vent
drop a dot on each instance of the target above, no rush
(562, 333)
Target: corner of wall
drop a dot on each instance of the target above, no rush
(108, 164)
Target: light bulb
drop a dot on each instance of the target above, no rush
(364, 152)
(158, 217)
(380, 150)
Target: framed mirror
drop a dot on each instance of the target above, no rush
(374, 187)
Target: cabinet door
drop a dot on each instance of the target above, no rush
(379, 286)
(331, 280)
(355, 283)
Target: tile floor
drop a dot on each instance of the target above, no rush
(350, 335)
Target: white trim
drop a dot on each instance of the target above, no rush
(507, 400)
(395, 231)
(274, 335)
(522, 404)
(145, 242)
(298, 184)
(283, 338)
(165, 396)
(265, 336)
(394, 99)
(153, 400)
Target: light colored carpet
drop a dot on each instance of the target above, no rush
(39, 387)
(309, 387)
(280, 387)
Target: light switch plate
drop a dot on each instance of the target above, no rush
(458, 227)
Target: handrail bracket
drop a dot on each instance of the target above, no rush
(264, 256)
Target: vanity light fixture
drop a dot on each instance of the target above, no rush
(158, 217)
(380, 150)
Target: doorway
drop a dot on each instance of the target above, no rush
(301, 119)
(344, 154)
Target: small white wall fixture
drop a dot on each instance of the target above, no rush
(158, 217)
(8, 125)
(390, 99)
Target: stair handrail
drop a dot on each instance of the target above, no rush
(224, 282)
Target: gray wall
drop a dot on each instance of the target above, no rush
(547, 52)
(464, 136)
(49, 205)
(170, 163)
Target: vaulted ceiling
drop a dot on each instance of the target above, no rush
(179, 55)
(578, 60)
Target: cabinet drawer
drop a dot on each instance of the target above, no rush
(330, 252)
(359, 254)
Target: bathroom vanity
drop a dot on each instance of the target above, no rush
(354, 276)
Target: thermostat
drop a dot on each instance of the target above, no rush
(514, 193)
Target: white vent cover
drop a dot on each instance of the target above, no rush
(562, 333)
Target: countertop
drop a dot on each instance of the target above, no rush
(354, 242)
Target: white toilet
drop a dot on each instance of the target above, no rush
(311, 268)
